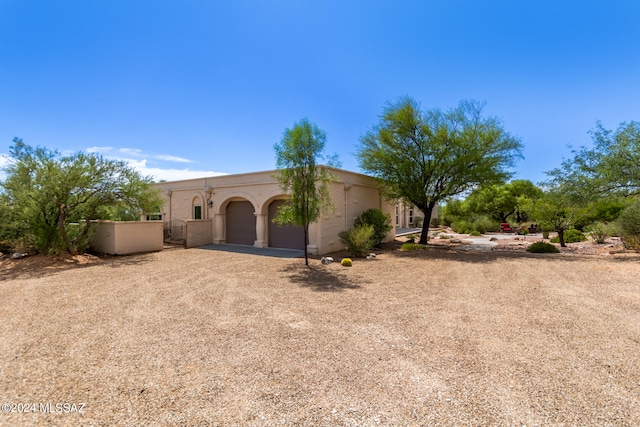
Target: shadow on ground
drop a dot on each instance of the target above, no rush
(320, 278)
(36, 266)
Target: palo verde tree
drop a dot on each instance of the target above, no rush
(610, 168)
(300, 174)
(557, 209)
(55, 197)
(423, 157)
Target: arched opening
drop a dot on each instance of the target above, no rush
(284, 236)
(240, 223)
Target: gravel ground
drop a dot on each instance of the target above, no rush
(433, 337)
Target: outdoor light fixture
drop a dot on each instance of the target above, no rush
(210, 203)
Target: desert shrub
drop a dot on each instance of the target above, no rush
(346, 262)
(599, 231)
(475, 233)
(358, 240)
(629, 226)
(380, 221)
(482, 225)
(542, 248)
(571, 236)
(631, 242)
(411, 246)
(445, 236)
(461, 227)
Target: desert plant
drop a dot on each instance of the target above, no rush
(475, 233)
(599, 231)
(380, 221)
(542, 248)
(571, 236)
(358, 240)
(629, 226)
(411, 246)
(346, 262)
(445, 236)
(461, 227)
(484, 224)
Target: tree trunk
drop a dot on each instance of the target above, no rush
(561, 237)
(425, 224)
(306, 239)
(62, 219)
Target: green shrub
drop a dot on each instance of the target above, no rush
(475, 233)
(631, 242)
(411, 246)
(346, 262)
(571, 236)
(359, 240)
(629, 226)
(542, 248)
(380, 221)
(482, 225)
(461, 227)
(599, 231)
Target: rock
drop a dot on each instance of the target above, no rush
(493, 239)
(18, 255)
(455, 240)
(1, 255)
(326, 260)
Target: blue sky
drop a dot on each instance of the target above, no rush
(193, 88)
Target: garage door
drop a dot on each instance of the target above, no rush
(284, 236)
(241, 223)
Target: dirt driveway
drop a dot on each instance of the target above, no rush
(195, 337)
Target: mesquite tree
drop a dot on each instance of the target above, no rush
(423, 157)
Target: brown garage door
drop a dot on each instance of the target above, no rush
(284, 236)
(241, 223)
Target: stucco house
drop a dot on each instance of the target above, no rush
(239, 209)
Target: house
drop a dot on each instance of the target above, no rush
(239, 209)
(409, 216)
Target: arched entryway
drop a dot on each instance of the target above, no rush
(284, 236)
(241, 223)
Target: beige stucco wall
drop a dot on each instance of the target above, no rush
(199, 232)
(127, 237)
(260, 188)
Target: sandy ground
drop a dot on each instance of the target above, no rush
(432, 337)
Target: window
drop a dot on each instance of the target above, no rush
(197, 212)
(410, 215)
(397, 215)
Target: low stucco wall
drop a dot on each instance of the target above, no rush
(127, 237)
(199, 232)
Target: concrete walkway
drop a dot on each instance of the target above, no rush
(245, 249)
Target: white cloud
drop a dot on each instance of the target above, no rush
(99, 149)
(170, 174)
(169, 158)
(177, 174)
(131, 151)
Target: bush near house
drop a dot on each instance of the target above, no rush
(380, 221)
(358, 240)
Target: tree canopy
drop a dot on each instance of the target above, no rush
(423, 157)
(610, 168)
(500, 201)
(51, 199)
(297, 158)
